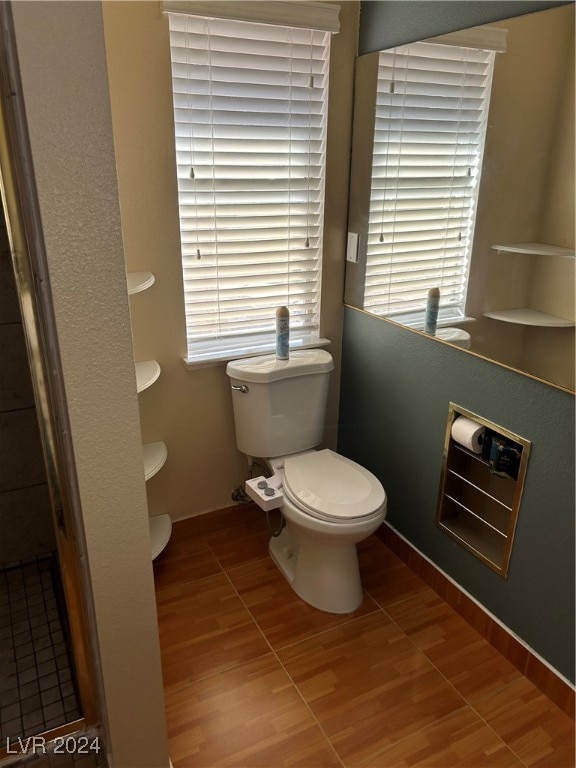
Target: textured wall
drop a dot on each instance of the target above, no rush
(63, 66)
(385, 23)
(191, 410)
(396, 387)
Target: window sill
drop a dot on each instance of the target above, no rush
(222, 358)
(419, 326)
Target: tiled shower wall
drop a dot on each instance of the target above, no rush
(25, 518)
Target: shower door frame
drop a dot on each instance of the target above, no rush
(24, 227)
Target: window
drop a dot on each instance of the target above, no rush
(431, 115)
(250, 104)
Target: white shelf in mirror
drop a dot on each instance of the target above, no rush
(155, 455)
(147, 372)
(139, 281)
(527, 316)
(537, 249)
(160, 532)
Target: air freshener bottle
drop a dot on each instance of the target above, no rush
(431, 318)
(282, 333)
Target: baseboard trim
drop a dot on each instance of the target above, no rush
(544, 677)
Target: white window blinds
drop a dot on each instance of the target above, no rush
(431, 115)
(250, 122)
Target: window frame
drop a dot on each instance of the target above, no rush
(208, 352)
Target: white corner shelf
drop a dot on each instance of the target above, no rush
(155, 455)
(160, 532)
(527, 316)
(538, 249)
(147, 372)
(139, 281)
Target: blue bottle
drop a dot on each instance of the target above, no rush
(431, 318)
(282, 333)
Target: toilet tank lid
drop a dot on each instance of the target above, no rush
(265, 368)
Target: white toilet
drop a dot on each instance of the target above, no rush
(456, 336)
(329, 503)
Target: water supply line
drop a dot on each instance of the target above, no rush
(275, 532)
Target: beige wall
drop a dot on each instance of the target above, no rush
(64, 81)
(559, 203)
(527, 195)
(191, 410)
(552, 281)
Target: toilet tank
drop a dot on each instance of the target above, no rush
(280, 405)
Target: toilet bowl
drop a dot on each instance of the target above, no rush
(455, 336)
(330, 504)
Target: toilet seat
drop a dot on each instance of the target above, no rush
(331, 487)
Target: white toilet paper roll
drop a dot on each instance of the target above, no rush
(468, 433)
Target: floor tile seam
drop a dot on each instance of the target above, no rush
(251, 563)
(491, 727)
(382, 752)
(428, 659)
(351, 620)
(199, 540)
(396, 602)
(309, 709)
(484, 641)
(292, 682)
(225, 569)
(477, 700)
(321, 632)
(316, 634)
(258, 627)
(500, 690)
(176, 688)
(158, 590)
(205, 516)
(162, 590)
(464, 699)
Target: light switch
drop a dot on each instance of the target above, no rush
(352, 248)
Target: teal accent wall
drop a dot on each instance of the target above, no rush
(386, 23)
(396, 386)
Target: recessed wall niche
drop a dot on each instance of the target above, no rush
(481, 492)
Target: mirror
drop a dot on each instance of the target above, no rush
(519, 303)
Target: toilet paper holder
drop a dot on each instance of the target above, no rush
(483, 471)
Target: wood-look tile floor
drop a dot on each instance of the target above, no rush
(254, 677)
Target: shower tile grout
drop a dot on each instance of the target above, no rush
(41, 694)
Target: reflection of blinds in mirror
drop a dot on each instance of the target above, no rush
(431, 114)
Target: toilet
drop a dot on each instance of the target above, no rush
(328, 502)
(456, 336)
